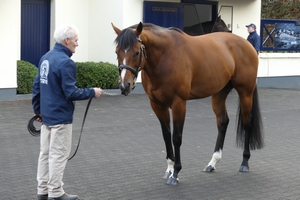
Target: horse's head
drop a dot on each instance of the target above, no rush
(130, 53)
(220, 26)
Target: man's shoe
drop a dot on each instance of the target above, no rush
(65, 197)
(42, 196)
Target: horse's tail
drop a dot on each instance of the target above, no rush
(256, 140)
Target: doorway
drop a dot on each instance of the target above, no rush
(35, 29)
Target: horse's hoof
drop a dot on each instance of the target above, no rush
(167, 175)
(244, 168)
(172, 180)
(208, 168)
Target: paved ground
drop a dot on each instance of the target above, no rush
(121, 155)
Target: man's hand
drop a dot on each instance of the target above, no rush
(98, 92)
(38, 119)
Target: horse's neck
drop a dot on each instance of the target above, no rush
(207, 26)
(155, 45)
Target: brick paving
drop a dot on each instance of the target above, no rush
(122, 153)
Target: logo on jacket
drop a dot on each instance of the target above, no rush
(44, 72)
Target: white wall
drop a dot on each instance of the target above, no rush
(10, 42)
(93, 19)
(76, 13)
(122, 13)
(101, 35)
(278, 64)
(244, 12)
(133, 12)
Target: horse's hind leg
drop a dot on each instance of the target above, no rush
(219, 108)
(249, 129)
(245, 119)
(163, 115)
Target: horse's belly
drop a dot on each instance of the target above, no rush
(198, 93)
(205, 87)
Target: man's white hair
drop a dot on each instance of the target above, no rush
(63, 32)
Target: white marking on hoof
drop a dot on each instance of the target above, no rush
(170, 166)
(216, 157)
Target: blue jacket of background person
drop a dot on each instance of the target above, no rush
(54, 88)
(254, 39)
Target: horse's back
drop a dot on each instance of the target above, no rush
(217, 58)
(234, 44)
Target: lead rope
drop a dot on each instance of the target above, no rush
(83, 121)
(86, 111)
(111, 94)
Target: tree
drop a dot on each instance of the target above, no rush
(280, 9)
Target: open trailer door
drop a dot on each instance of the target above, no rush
(163, 14)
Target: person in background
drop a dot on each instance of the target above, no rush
(253, 37)
(53, 96)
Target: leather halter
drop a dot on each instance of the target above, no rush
(142, 52)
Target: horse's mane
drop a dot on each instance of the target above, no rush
(128, 38)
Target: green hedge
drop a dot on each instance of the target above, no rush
(25, 76)
(89, 74)
(97, 74)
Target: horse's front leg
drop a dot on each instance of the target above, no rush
(178, 114)
(163, 115)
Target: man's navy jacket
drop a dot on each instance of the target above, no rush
(254, 39)
(54, 87)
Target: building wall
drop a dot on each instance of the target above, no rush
(279, 64)
(244, 12)
(122, 13)
(93, 19)
(10, 42)
(76, 13)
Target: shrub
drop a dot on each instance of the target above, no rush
(89, 74)
(97, 74)
(26, 73)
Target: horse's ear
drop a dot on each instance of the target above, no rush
(219, 18)
(139, 29)
(117, 30)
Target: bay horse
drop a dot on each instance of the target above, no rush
(177, 67)
(207, 27)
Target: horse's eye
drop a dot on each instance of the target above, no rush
(137, 53)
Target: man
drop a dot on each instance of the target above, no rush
(253, 37)
(54, 90)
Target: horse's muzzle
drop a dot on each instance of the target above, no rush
(125, 90)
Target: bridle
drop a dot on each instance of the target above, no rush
(136, 71)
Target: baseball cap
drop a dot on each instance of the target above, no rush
(251, 25)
